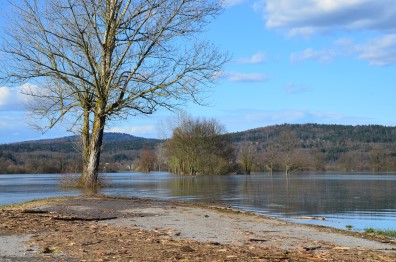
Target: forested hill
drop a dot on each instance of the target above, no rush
(321, 147)
(112, 142)
(310, 147)
(314, 132)
(62, 155)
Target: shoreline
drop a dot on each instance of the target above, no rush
(309, 220)
(57, 228)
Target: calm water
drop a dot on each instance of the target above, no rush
(360, 200)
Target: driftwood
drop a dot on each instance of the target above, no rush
(83, 218)
(64, 218)
(257, 240)
(311, 218)
(34, 211)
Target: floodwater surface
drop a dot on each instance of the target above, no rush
(360, 200)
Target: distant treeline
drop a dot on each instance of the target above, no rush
(63, 155)
(321, 147)
(286, 148)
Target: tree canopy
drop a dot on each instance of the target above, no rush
(199, 146)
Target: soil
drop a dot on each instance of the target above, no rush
(101, 228)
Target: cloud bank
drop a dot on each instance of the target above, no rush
(12, 98)
(380, 51)
(257, 58)
(261, 118)
(309, 17)
(245, 77)
(142, 130)
(306, 17)
(229, 3)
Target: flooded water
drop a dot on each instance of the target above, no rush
(361, 200)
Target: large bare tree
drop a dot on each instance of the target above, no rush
(100, 60)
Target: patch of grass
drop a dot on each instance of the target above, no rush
(349, 227)
(73, 181)
(387, 233)
(33, 202)
(17, 205)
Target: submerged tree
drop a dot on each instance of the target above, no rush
(100, 60)
(288, 143)
(147, 161)
(199, 146)
(247, 152)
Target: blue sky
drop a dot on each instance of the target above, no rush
(293, 61)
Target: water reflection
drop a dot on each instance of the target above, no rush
(361, 200)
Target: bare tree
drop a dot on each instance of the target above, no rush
(270, 156)
(101, 60)
(377, 159)
(247, 153)
(147, 161)
(161, 155)
(199, 146)
(288, 142)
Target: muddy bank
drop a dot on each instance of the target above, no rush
(122, 229)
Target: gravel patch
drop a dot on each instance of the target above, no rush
(203, 225)
(15, 248)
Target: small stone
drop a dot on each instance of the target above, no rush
(187, 249)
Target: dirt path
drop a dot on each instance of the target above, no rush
(100, 228)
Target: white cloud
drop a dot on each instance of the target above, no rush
(12, 98)
(245, 77)
(143, 130)
(229, 3)
(261, 118)
(294, 89)
(254, 59)
(305, 17)
(380, 51)
(4, 95)
(325, 55)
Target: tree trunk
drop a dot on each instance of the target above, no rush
(85, 141)
(89, 176)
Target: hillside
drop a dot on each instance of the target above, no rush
(112, 142)
(323, 147)
(309, 133)
(295, 147)
(61, 155)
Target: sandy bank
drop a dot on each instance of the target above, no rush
(121, 229)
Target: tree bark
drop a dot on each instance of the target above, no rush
(89, 177)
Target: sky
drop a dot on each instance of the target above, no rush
(292, 61)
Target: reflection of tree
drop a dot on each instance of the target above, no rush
(292, 195)
(205, 188)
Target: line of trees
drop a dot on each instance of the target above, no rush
(200, 146)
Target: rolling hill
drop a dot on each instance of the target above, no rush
(315, 147)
